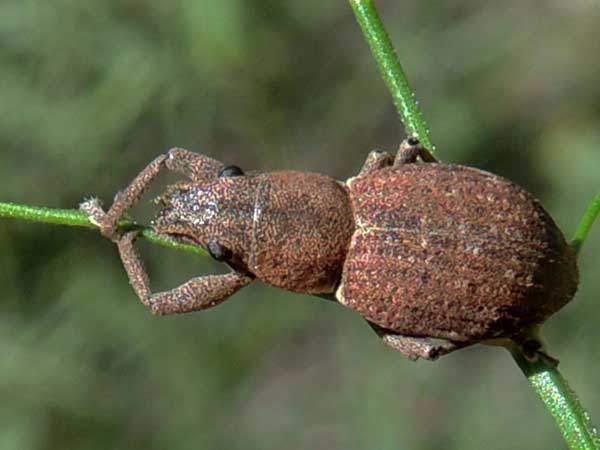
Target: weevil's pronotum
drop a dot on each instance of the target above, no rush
(434, 256)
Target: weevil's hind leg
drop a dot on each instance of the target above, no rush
(417, 347)
(530, 344)
(420, 347)
(409, 149)
(377, 159)
(194, 295)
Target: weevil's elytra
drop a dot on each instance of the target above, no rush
(434, 256)
(453, 252)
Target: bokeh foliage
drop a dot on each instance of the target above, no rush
(91, 91)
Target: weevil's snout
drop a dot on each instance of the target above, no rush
(176, 196)
(183, 211)
(218, 213)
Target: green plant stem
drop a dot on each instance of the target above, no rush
(585, 225)
(75, 218)
(391, 70)
(548, 383)
(560, 400)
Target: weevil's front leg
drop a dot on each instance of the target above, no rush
(194, 295)
(126, 198)
(195, 166)
(417, 347)
(377, 159)
(409, 149)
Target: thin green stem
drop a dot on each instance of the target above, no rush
(548, 383)
(585, 225)
(560, 400)
(71, 217)
(75, 218)
(391, 70)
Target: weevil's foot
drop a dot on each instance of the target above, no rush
(93, 208)
(530, 344)
(533, 351)
(410, 149)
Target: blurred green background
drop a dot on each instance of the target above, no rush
(92, 91)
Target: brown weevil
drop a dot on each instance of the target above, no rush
(434, 256)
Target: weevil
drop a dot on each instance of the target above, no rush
(436, 257)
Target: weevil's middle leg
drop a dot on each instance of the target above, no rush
(194, 295)
(409, 149)
(377, 159)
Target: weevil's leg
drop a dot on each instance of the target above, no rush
(377, 159)
(420, 347)
(409, 149)
(195, 166)
(417, 347)
(93, 208)
(531, 345)
(194, 295)
(126, 198)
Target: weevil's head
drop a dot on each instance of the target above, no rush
(214, 211)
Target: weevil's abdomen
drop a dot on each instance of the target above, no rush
(302, 228)
(453, 252)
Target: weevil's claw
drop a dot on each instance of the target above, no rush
(93, 208)
(549, 359)
(96, 215)
(533, 351)
(531, 345)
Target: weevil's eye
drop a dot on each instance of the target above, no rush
(219, 252)
(231, 171)
(413, 141)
